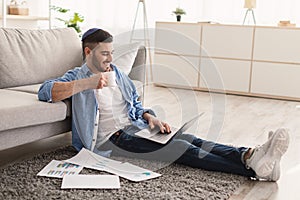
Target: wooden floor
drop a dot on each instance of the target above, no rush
(235, 120)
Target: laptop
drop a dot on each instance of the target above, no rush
(156, 136)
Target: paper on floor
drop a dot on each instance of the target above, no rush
(57, 169)
(90, 182)
(126, 170)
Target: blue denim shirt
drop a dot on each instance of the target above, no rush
(85, 107)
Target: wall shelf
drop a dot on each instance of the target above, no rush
(31, 21)
(23, 17)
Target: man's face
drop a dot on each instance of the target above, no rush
(101, 57)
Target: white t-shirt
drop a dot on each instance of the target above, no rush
(112, 113)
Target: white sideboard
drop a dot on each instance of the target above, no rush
(247, 60)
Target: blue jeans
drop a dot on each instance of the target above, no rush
(185, 149)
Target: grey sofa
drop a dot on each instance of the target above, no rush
(28, 58)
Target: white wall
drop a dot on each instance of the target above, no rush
(117, 16)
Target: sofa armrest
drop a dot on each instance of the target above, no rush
(139, 65)
(138, 71)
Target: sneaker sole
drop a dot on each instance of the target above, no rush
(275, 173)
(278, 147)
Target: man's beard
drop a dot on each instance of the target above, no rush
(97, 65)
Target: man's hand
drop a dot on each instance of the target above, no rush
(153, 121)
(98, 81)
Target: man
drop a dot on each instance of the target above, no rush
(104, 120)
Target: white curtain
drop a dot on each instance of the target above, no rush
(117, 16)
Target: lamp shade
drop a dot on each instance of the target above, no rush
(250, 4)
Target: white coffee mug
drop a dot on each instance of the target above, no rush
(111, 78)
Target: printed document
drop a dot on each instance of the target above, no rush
(126, 170)
(58, 169)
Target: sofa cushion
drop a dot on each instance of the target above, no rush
(124, 55)
(139, 66)
(21, 109)
(33, 89)
(33, 56)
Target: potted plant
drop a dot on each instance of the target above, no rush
(72, 21)
(178, 12)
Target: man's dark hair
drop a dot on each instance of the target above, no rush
(92, 37)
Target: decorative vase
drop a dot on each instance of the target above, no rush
(178, 17)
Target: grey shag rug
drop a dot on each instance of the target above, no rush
(19, 181)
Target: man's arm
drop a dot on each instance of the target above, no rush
(64, 87)
(63, 90)
(148, 114)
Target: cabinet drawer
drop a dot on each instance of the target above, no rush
(277, 45)
(220, 74)
(227, 41)
(176, 70)
(276, 79)
(178, 39)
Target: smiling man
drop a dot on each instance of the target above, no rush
(105, 120)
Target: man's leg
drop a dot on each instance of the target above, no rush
(211, 157)
(224, 161)
(236, 154)
(128, 145)
(179, 151)
(264, 159)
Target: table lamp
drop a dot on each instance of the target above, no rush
(249, 4)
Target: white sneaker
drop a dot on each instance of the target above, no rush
(275, 175)
(266, 158)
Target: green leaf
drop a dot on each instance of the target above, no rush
(73, 21)
(59, 9)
